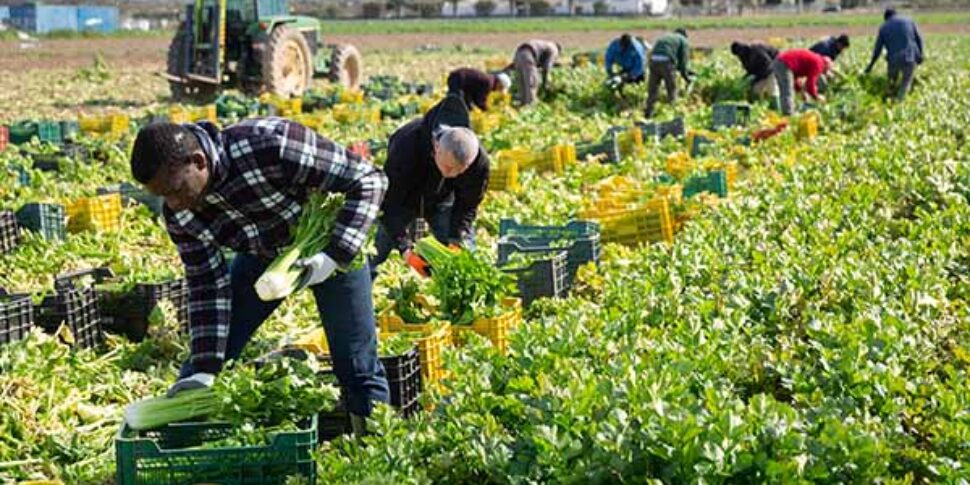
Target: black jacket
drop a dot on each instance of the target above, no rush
(473, 85)
(417, 187)
(756, 59)
(828, 48)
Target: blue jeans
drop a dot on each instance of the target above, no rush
(346, 310)
(439, 224)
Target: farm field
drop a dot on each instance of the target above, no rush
(807, 321)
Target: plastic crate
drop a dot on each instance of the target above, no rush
(49, 131)
(714, 182)
(430, 346)
(725, 115)
(276, 106)
(47, 219)
(679, 164)
(172, 454)
(75, 307)
(183, 114)
(675, 128)
(9, 231)
(572, 229)
(730, 170)
(579, 251)
(608, 148)
(112, 126)
(698, 142)
(4, 137)
(16, 317)
(354, 113)
(652, 222)
(806, 125)
(133, 194)
(497, 328)
(543, 278)
(335, 423)
(100, 213)
(23, 131)
(69, 129)
(504, 177)
(629, 141)
(128, 313)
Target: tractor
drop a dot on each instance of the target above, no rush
(255, 46)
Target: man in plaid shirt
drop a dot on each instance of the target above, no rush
(242, 189)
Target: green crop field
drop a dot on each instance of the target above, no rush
(807, 324)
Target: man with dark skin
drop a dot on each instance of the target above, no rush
(243, 188)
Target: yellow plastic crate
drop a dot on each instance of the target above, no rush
(679, 164)
(673, 193)
(496, 64)
(484, 122)
(497, 328)
(430, 347)
(348, 96)
(630, 143)
(807, 125)
(505, 177)
(730, 170)
(349, 113)
(284, 107)
(650, 222)
(100, 213)
(113, 125)
(183, 114)
(314, 121)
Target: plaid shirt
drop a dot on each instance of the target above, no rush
(260, 173)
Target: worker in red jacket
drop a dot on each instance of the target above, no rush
(794, 66)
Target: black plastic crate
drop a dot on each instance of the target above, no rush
(9, 231)
(726, 115)
(543, 278)
(572, 229)
(47, 219)
(127, 312)
(579, 250)
(403, 380)
(76, 307)
(16, 317)
(675, 128)
(608, 146)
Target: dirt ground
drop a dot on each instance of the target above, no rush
(150, 51)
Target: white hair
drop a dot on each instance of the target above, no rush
(461, 142)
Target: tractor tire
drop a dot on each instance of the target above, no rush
(186, 92)
(345, 66)
(287, 63)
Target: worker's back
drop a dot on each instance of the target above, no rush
(901, 39)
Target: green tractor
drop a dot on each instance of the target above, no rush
(256, 46)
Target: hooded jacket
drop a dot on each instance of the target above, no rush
(756, 58)
(417, 187)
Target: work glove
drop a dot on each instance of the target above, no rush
(417, 263)
(316, 268)
(198, 380)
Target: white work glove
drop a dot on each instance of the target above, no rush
(316, 268)
(194, 381)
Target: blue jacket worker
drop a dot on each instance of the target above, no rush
(629, 54)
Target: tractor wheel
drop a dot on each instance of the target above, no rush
(345, 66)
(191, 92)
(287, 64)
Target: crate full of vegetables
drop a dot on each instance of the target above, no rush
(16, 316)
(74, 304)
(126, 309)
(9, 231)
(538, 275)
(726, 115)
(99, 213)
(714, 181)
(496, 327)
(650, 222)
(132, 194)
(47, 219)
(571, 230)
(579, 250)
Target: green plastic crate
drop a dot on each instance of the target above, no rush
(172, 455)
(714, 182)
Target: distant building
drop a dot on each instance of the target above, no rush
(466, 8)
(41, 18)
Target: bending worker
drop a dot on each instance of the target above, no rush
(904, 50)
(669, 55)
(533, 60)
(791, 68)
(437, 171)
(627, 53)
(831, 47)
(474, 86)
(243, 188)
(756, 59)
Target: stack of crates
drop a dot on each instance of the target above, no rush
(9, 231)
(99, 213)
(434, 338)
(714, 182)
(726, 115)
(110, 126)
(579, 239)
(505, 177)
(183, 114)
(649, 222)
(47, 219)
(353, 113)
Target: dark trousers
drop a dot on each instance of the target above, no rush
(439, 222)
(901, 77)
(346, 310)
(665, 72)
